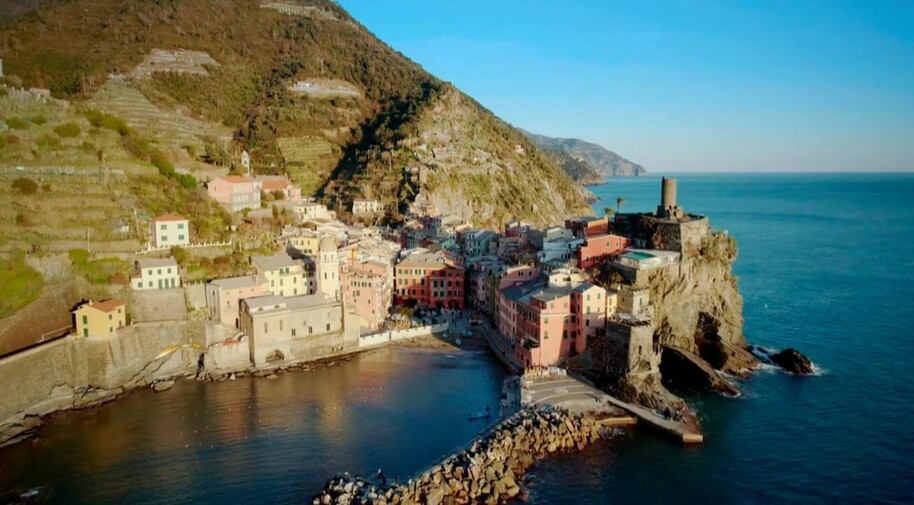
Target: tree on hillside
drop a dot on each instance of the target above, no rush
(24, 186)
(619, 203)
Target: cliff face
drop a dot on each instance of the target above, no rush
(579, 170)
(601, 159)
(698, 306)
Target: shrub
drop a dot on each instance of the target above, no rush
(24, 186)
(22, 219)
(67, 130)
(11, 139)
(165, 166)
(38, 120)
(16, 123)
(100, 119)
(47, 141)
(21, 284)
(46, 187)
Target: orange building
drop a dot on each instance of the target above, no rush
(431, 279)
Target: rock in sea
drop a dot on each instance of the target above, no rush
(792, 361)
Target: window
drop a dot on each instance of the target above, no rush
(110, 329)
(159, 271)
(328, 326)
(293, 332)
(85, 319)
(169, 270)
(181, 227)
(264, 327)
(85, 332)
(163, 227)
(163, 239)
(180, 237)
(110, 316)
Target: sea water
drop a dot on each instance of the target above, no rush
(826, 264)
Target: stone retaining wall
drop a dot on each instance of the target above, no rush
(490, 471)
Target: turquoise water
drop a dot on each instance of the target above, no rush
(826, 264)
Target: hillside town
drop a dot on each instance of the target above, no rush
(329, 288)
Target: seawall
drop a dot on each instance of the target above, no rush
(489, 471)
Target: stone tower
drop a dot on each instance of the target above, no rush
(668, 209)
(246, 162)
(327, 269)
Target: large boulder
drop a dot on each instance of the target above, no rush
(793, 361)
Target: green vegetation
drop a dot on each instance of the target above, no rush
(38, 120)
(99, 119)
(24, 186)
(17, 123)
(99, 271)
(67, 130)
(21, 284)
(47, 141)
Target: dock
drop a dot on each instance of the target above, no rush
(576, 395)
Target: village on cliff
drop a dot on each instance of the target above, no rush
(538, 298)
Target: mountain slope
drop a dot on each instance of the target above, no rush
(604, 161)
(579, 170)
(268, 76)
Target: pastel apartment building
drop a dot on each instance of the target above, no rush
(597, 248)
(285, 276)
(155, 273)
(306, 211)
(430, 279)
(235, 193)
(587, 226)
(100, 319)
(368, 290)
(223, 296)
(366, 207)
(279, 185)
(543, 322)
(169, 231)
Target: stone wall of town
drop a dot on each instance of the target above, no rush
(490, 471)
(157, 305)
(77, 372)
(386, 337)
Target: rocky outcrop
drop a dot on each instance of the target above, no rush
(793, 361)
(684, 369)
(490, 471)
(698, 306)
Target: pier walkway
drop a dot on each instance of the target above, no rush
(578, 396)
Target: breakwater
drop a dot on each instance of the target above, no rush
(489, 471)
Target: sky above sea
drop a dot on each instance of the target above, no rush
(681, 86)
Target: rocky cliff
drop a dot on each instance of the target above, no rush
(698, 306)
(579, 170)
(601, 159)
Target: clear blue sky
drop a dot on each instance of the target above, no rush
(680, 85)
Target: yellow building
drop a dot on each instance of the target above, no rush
(100, 319)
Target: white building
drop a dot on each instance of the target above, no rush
(286, 276)
(366, 207)
(327, 269)
(306, 211)
(169, 230)
(155, 273)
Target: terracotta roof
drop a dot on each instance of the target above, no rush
(106, 306)
(234, 179)
(170, 217)
(275, 185)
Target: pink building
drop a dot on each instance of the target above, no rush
(223, 295)
(542, 324)
(367, 291)
(281, 184)
(235, 193)
(599, 247)
(588, 226)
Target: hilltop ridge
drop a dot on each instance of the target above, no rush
(302, 86)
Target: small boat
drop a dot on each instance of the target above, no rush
(458, 342)
(485, 414)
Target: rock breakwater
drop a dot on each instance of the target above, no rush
(489, 471)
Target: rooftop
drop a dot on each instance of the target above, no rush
(245, 281)
(106, 306)
(156, 262)
(271, 304)
(234, 179)
(170, 217)
(274, 262)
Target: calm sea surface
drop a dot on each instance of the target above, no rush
(826, 265)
